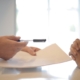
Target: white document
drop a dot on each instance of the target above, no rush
(47, 56)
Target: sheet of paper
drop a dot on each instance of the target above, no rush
(49, 55)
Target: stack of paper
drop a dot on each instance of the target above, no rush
(52, 54)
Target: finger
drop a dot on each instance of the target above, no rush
(35, 49)
(79, 51)
(21, 44)
(29, 50)
(73, 50)
(17, 46)
(73, 57)
(13, 38)
(70, 53)
(76, 44)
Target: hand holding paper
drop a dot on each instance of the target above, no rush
(9, 46)
(52, 54)
(31, 50)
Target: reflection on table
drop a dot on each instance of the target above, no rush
(62, 71)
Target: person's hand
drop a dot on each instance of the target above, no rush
(75, 47)
(9, 46)
(31, 50)
(75, 51)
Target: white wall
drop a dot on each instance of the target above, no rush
(7, 17)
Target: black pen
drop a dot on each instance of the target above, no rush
(34, 40)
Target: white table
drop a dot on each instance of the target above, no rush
(62, 71)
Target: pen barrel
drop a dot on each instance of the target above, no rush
(39, 40)
(34, 40)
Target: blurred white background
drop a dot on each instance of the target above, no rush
(55, 20)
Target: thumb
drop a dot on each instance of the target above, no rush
(13, 38)
(21, 44)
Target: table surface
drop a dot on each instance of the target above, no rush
(63, 71)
